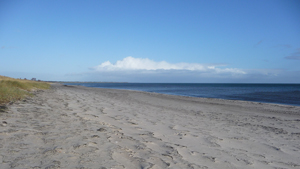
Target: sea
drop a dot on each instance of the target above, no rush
(288, 94)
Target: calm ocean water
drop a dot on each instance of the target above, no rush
(288, 94)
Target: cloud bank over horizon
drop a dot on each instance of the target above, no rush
(146, 65)
(131, 69)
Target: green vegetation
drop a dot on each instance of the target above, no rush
(16, 89)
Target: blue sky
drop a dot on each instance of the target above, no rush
(248, 41)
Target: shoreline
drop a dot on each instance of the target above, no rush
(84, 127)
(205, 99)
(292, 101)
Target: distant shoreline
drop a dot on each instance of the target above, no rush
(167, 82)
(80, 82)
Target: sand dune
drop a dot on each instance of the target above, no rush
(79, 127)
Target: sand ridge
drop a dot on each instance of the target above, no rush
(79, 127)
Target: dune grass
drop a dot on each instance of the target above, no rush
(15, 89)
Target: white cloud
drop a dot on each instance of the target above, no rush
(145, 70)
(145, 64)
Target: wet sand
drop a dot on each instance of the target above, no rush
(79, 127)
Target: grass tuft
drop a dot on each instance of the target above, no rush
(16, 89)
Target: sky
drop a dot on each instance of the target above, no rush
(169, 41)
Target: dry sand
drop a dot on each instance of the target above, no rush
(79, 127)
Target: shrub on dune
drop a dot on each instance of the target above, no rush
(16, 89)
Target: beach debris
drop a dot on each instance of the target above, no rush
(3, 108)
(4, 123)
(101, 129)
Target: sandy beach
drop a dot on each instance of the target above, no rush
(80, 127)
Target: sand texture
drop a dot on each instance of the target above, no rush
(79, 127)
